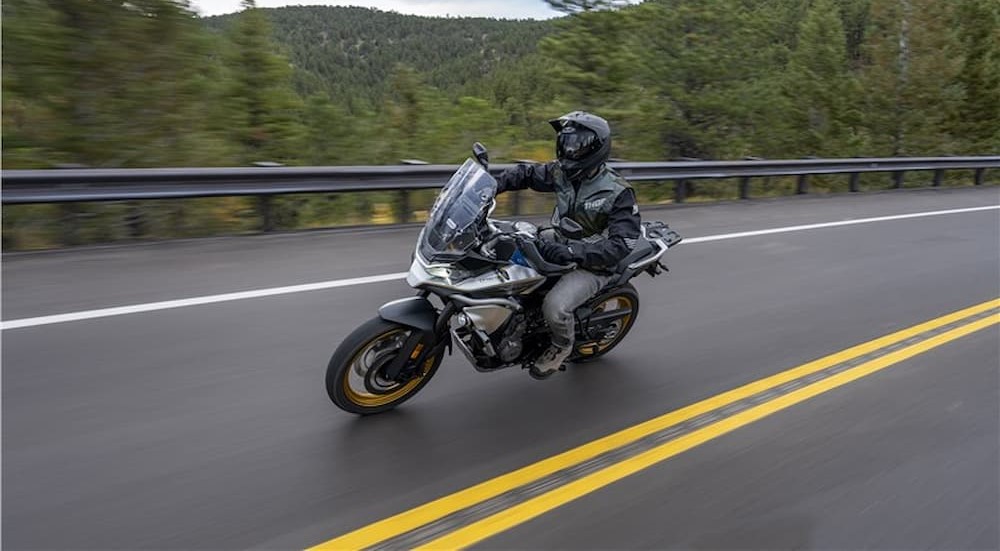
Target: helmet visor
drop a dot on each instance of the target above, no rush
(575, 143)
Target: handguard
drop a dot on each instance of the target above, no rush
(530, 251)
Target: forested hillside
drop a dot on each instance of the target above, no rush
(351, 52)
(106, 83)
(147, 83)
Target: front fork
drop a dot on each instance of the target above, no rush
(428, 336)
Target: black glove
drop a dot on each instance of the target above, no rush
(556, 253)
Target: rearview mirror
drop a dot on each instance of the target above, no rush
(481, 154)
(570, 228)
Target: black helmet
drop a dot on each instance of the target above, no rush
(583, 142)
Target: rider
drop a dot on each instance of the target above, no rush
(595, 197)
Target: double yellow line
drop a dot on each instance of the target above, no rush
(463, 536)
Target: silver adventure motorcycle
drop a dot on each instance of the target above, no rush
(481, 283)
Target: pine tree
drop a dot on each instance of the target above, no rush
(106, 83)
(705, 85)
(592, 63)
(819, 86)
(34, 85)
(979, 109)
(264, 109)
(406, 110)
(909, 83)
(855, 15)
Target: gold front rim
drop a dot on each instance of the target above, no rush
(380, 349)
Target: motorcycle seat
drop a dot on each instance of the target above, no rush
(642, 250)
(645, 249)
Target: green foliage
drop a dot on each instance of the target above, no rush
(856, 17)
(979, 76)
(106, 83)
(910, 90)
(351, 53)
(700, 88)
(593, 62)
(264, 109)
(146, 83)
(819, 87)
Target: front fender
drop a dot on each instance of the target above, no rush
(416, 312)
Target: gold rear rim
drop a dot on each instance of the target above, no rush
(617, 302)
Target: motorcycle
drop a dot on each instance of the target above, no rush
(480, 282)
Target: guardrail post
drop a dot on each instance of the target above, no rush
(852, 184)
(9, 241)
(364, 207)
(70, 224)
(515, 203)
(176, 219)
(680, 191)
(745, 181)
(134, 220)
(266, 213)
(938, 178)
(403, 206)
(802, 184)
(979, 177)
(897, 180)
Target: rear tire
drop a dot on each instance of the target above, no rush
(352, 376)
(620, 297)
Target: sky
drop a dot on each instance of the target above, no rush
(504, 9)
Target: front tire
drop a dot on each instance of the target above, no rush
(353, 376)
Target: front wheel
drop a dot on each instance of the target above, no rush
(355, 377)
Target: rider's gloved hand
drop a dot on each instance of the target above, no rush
(557, 253)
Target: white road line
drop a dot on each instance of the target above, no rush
(786, 229)
(195, 301)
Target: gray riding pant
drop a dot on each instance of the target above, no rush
(572, 290)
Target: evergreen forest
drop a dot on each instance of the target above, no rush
(148, 83)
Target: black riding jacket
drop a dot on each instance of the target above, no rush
(607, 210)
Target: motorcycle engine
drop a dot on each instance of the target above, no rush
(489, 335)
(511, 344)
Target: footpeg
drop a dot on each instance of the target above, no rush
(538, 375)
(588, 350)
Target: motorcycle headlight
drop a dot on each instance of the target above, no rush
(444, 272)
(447, 272)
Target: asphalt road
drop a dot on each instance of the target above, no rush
(208, 426)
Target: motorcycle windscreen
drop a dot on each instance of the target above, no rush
(454, 222)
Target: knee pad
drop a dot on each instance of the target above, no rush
(553, 313)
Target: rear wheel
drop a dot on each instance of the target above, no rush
(356, 379)
(622, 305)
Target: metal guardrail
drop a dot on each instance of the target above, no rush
(79, 185)
(73, 185)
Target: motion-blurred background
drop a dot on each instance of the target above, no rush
(151, 83)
